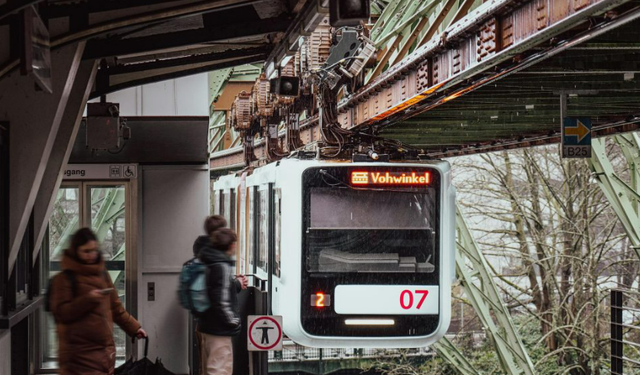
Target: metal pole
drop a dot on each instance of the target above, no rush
(563, 113)
(617, 348)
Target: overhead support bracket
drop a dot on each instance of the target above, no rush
(61, 151)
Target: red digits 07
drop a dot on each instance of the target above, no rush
(406, 292)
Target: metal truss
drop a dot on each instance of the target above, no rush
(469, 53)
(448, 351)
(408, 24)
(623, 196)
(476, 278)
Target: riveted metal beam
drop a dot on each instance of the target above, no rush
(448, 351)
(478, 50)
(97, 49)
(484, 296)
(623, 196)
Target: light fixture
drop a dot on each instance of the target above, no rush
(369, 322)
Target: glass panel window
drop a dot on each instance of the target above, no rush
(108, 220)
(371, 231)
(251, 245)
(64, 221)
(276, 230)
(262, 230)
(221, 196)
(232, 210)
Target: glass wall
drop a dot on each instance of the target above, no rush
(64, 221)
(103, 208)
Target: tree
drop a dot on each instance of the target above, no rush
(563, 244)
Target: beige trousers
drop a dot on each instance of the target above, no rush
(217, 354)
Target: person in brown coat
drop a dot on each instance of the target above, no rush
(85, 316)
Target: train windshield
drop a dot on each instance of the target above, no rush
(371, 231)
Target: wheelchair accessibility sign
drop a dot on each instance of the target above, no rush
(265, 332)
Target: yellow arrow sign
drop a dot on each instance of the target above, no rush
(580, 130)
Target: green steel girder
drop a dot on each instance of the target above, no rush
(404, 23)
(448, 351)
(485, 298)
(217, 129)
(217, 80)
(623, 196)
(111, 207)
(71, 227)
(217, 119)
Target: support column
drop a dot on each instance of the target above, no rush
(62, 149)
(622, 196)
(448, 351)
(485, 298)
(34, 117)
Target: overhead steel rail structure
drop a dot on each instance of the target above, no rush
(490, 78)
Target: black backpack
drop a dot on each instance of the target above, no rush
(74, 287)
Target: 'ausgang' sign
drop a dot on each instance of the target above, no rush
(390, 178)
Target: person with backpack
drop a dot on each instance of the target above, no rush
(211, 224)
(221, 321)
(192, 288)
(85, 305)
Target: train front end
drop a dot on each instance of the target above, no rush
(377, 255)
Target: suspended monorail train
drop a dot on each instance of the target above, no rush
(355, 254)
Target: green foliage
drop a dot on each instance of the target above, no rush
(481, 355)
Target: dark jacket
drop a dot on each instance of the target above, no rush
(85, 322)
(223, 317)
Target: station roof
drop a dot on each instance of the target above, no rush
(144, 41)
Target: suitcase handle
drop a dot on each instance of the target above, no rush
(146, 344)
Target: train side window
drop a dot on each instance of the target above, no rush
(216, 203)
(261, 229)
(232, 210)
(221, 205)
(275, 216)
(250, 222)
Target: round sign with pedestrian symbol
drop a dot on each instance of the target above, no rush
(265, 332)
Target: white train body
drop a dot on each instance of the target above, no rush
(358, 254)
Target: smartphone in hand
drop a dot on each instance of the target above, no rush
(106, 291)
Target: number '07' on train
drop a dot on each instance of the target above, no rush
(354, 254)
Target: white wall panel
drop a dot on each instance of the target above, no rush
(159, 99)
(193, 95)
(186, 96)
(175, 202)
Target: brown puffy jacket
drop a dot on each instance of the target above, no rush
(85, 322)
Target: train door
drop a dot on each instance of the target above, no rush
(274, 245)
(261, 231)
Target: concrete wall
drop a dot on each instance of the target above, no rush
(5, 352)
(174, 206)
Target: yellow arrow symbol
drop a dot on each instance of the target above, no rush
(580, 130)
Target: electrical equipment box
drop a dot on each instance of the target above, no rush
(103, 126)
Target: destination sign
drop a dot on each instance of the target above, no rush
(390, 178)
